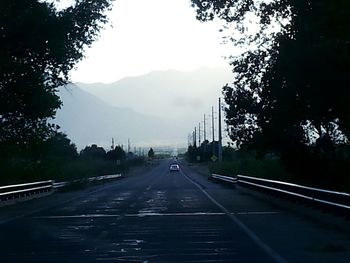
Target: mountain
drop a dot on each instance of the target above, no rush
(159, 108)
(87, 119)
(181, 97)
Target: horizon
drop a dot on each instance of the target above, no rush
(177, 109)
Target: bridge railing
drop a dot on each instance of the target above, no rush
(339, 201)
(18, 192)
(228, 179)
(10, 192)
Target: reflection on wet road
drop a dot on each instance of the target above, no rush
(158, 216)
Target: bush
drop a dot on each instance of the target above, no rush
(304, 167)
(250, 166)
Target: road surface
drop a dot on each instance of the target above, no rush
(161, 216)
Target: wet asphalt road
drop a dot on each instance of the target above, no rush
(162, 216)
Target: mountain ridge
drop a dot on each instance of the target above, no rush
(161, 107)
(88, 120)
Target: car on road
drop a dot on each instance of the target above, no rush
(174, 168)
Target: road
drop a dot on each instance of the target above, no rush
(162, 216)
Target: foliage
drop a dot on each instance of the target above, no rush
(192, 153)
(290, 93)
(205, 151)
(116, 154)
(270, 167)
(59, 146)
(150, 153)
(42, 161)
(57, 159)
(93, 151)
(39, 46)
(245, 163)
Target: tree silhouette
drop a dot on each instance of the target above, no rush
(39, 45)
(291, 86)
(151, 153)
(93, 151)
(116, 154)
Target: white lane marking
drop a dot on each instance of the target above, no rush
(128, 215)
(77, 216)
(273, 254)
(256, 213)
(175, 214)
(149, 214)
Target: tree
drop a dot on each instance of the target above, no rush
(116, 154)
(93, 152)
(290, 87)
(151, 153)
(39, 45)
(60, 147)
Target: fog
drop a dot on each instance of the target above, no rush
(159, 108)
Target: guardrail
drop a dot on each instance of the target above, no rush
(11, 192)
(224, 178)
(339, 201)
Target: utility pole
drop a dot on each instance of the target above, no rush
(128, 145)
(204, 130)
(193, 141)
(112, 144)
(199, 134)
(220, 134)
(212, 127)
(195, 136)
(212, 123)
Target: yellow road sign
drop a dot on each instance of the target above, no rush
(214, 158)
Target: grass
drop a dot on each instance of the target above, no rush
(269, 169)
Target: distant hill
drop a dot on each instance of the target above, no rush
(182, 97)
(159, 108)
(87, 119)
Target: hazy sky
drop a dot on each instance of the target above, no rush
(144, 36)
(151, 35)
